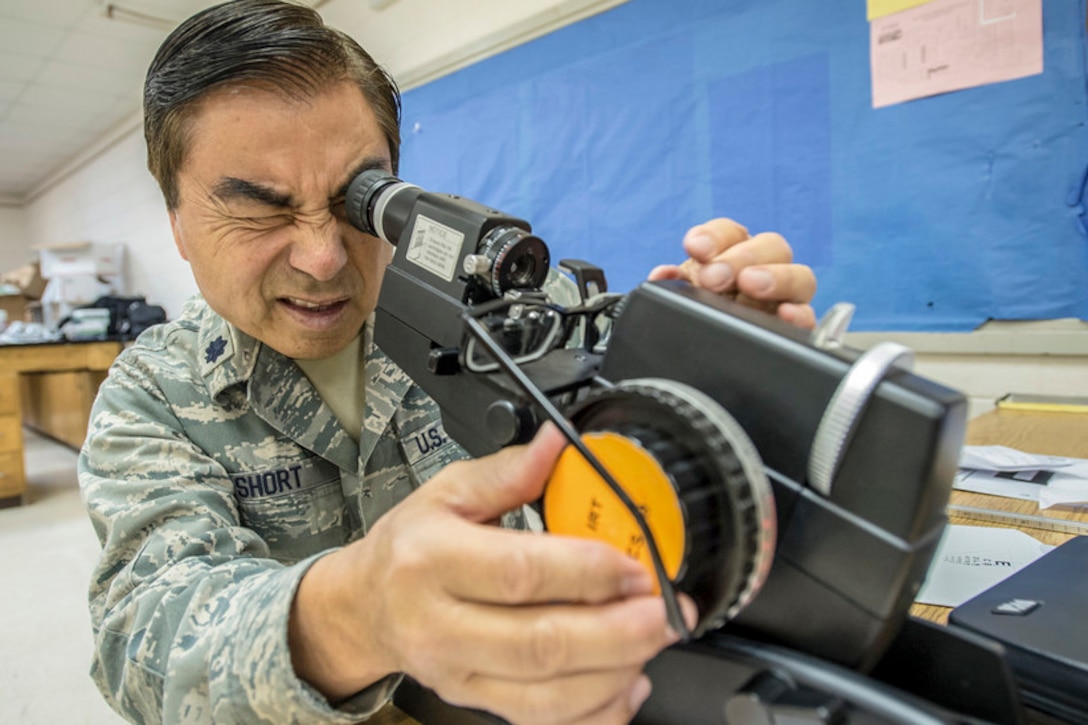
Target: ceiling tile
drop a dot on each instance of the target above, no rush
(176, 10)
(55, 13)
(103, 52)
(10, 90)
(55, 98)
(18, 67)
(69, 76)
(81, 76)
(15, 181)
(119, 29)
(51, 138)
(12, 183)
(52, 120)
(33, 39)
(39, 159)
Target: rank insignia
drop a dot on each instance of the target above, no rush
(215, 350)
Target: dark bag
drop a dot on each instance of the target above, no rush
(138, 317)
(129, 316)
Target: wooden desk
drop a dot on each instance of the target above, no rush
(84, 364)
(1059, 434)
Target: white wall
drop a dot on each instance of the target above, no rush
(113, 199)
(14, 239)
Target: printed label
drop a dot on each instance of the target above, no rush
(435, 247)
(422, 443)
(283, 480)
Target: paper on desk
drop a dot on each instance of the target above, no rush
(971, 559)
(1067, 487)
(1002, 471)
(1003, 458)
(949, 45)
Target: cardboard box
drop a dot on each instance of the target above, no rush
(27, 279)
(81, 259)
(14, 307)
(22, 286)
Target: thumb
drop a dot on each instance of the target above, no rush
(483, 489)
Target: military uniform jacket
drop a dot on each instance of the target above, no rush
(215, 476)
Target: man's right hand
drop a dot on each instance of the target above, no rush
(534, 628)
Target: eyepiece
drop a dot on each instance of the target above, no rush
(504, 253)
(376, 205)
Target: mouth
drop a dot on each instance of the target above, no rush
(315, 313)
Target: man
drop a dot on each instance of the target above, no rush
(239, 458)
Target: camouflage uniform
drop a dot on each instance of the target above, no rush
(215, 476)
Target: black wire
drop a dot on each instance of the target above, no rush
(668, 593)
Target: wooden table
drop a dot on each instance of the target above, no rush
(80, 366)
(1053, 433)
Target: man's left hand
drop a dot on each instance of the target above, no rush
(757, 271)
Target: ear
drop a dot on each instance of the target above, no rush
(179, 239)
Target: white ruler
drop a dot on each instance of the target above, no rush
(1010, 518)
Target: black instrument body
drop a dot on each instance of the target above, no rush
(846, 565)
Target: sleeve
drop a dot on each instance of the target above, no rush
(189, 612)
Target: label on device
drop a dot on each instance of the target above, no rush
(435, 247)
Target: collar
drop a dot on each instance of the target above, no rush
(283, 396)
(227, 356)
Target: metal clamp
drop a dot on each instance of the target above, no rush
(830, 332)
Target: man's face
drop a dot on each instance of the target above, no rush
(260, 217)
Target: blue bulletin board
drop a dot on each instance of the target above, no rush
(614, 135)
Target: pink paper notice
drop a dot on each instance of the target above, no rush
(948, 45)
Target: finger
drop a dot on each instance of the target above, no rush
(703, 244)
(706, 241)
(483, 489)
(621, 709)
(719, 274)
(498, 566)
(591, 697)
(668, 271)
(800, 315)
(527, 644)
(766, 248)
(778, 283)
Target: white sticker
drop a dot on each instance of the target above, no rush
(435, 247)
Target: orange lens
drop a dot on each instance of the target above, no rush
(578, 502)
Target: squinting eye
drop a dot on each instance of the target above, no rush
(271, 221)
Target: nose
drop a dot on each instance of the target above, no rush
(318, 248)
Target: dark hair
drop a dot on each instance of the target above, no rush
(284, 47)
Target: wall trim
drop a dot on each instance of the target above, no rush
(519, 33)
(1066, 336)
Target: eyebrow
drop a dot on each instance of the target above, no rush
(232, 188)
